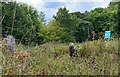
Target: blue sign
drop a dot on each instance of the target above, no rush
(107, 34)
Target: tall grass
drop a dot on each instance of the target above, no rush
(92, 58)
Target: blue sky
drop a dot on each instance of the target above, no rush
(50, 7)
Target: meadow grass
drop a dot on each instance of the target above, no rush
(92, 58)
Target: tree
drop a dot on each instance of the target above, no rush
(99, 18)
(52, 32)
(83, 31)
(79, 15)
(118, 26)
(66, 20)
(27, 21)
(113, 17)
(84, 28)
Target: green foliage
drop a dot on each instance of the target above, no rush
(113, 17)
(52, 32)
(66, 20)
(21, 20)
(83, 31)
(93, 57)
(100, 19)
(118, 28)
(79, 15)
(28, 25)
(104, 18)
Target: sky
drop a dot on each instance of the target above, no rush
(50, 7)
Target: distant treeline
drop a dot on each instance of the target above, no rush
(28, 25)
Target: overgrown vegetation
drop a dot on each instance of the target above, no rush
(92, 58)
(43, 47)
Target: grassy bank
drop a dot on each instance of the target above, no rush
(92, 58)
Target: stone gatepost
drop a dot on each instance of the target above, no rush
(11, 43)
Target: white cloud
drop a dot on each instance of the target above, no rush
(34, 3)
(72, 5)
(30, 1)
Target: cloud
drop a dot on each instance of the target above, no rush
(79, 6)
(32, 2)
(50, 7)
(53, 4)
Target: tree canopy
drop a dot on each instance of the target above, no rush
(21, 20)
(28, 25)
